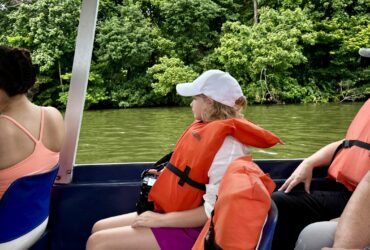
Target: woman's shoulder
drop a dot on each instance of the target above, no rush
(54, 130)
(53, 115)
(52, 111)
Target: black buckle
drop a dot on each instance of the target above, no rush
(346, 144)
(185, 176)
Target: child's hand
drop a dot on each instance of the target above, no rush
(148, 219)
(154, 171)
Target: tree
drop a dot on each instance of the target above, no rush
(166, 74)
(189, 23)
(48, 28)
(262, 56)
(298, 51)
(125, 44)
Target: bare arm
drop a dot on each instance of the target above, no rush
(190, 218)
(303, 173)
(354, 224)
(54, 131)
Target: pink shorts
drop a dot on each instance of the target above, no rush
(170, 238)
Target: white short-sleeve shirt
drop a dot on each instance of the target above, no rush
(230, 150)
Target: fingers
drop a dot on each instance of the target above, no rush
(135, 223)
(293, 181)
(138, 222)
(286, 184)
(154, 171)
(291, 185)
(307, 185)
(146, 219)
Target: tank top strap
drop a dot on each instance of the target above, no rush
(20, 127)
(42, 121)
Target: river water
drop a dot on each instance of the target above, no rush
(146, 134)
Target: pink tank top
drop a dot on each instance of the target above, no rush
(41, 159)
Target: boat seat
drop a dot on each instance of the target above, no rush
(269, 228)
(25, 204)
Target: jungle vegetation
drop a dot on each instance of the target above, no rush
(281, 51)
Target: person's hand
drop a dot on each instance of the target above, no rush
(148, 219)
(154, 171)
(303, 173)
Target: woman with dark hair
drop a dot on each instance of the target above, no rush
(31, 136)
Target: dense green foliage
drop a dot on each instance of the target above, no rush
(298, 51)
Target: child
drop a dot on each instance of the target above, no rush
(185, 191)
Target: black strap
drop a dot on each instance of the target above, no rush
(350, 143)
(159, 165)
(210, 239)
(184, 177)
(361, 144)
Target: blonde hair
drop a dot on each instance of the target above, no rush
(219, 111)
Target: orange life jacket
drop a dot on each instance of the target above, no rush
(241, 208)
(192, 158)
(353, 161)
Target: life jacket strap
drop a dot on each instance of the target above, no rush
(210, 239)
(161, 163)
(350, 143)
(184, 177)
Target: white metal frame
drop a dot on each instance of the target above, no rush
(77, 89)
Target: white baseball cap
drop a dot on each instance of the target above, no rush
(218, 85)
(364, 52)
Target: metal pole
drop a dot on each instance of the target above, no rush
(77, 89)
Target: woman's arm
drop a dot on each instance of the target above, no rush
(303, 173)
(354, 224)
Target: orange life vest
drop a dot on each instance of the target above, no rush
(353, 161)
(193, 156)
(241, 208)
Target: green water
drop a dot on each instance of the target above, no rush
(137, 135)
